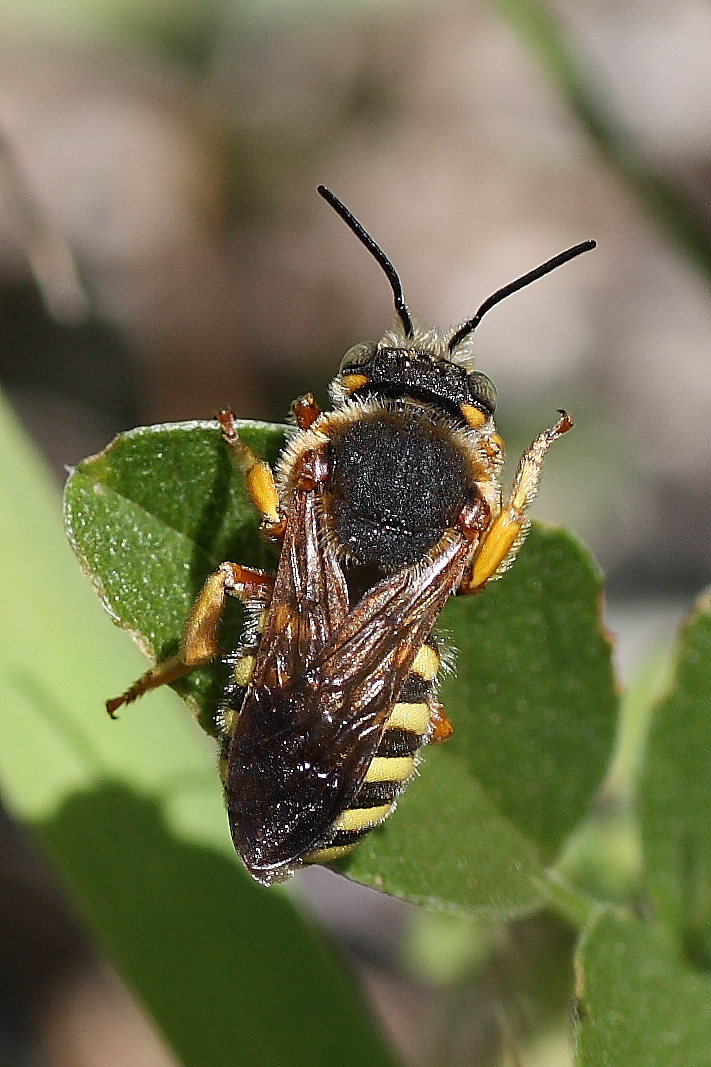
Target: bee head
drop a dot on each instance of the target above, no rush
(424, 364)
(419, 371)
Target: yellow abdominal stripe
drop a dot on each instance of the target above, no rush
(360, 818)
(244, 669)
(413, 717)
(426, 663)
(352, 820)
(390, 769)
(328, 855)
(228, 721)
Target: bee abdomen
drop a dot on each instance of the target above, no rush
(406, 731)
(373, 794)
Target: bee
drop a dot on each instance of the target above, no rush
(384, 507)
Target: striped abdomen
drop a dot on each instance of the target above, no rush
(409, 726)
(407, 729)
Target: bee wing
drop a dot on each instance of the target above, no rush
(310, 598)
(303, 746)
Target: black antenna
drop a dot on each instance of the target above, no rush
(364, 237)
(533, 275)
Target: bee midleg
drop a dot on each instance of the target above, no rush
(258, 477)
(199, 643)
(502, 540)
(410, 725)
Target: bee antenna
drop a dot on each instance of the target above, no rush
(533, 275)
(376, 251)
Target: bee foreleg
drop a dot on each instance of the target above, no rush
(305, 410)
(258, 477)
(507, 532)
(199, 643)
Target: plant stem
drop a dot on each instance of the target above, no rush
(663, 199)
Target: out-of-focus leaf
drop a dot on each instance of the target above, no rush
(676, 794)
(638, 1003)
(230, 971)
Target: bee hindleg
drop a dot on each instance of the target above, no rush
(507, 532)
(441, 727)
(199, 643)
(258, 477)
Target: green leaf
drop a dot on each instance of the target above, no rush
(132, 816)
(638, 1004)
(532, 699)
(150, 517)
(676, 794)
(230, 971)
(447, 847)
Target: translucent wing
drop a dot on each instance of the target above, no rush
(322, 690)
(310, 598)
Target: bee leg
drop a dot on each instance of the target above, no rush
(258, 477)
(305, 411)
(507, 532)
(199, 643)
(441, 727)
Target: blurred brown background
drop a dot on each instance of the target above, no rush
(163, 254)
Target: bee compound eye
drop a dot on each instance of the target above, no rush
(483, 391)
(356, 358)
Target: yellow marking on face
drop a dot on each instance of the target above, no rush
(413, 717)
(474, 417)
(351, 382)
(390, 768)
(260, 483)
(496, 545)
(262, 620)
(426, 663)
(244, 669)
(361, 818)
